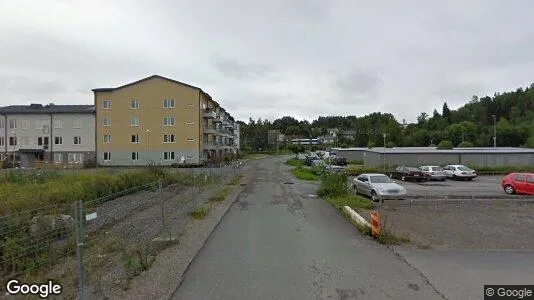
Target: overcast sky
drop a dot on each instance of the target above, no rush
(271, 58)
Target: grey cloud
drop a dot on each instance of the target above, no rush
(234, 69)
(30, 86)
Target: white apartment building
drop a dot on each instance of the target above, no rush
(52, 133)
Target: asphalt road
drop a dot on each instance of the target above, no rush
(463, 274)
(279, 241)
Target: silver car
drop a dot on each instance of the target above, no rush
(460, 172)
(433, 172)
(378, 186)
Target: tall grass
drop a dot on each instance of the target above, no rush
(304, 174)
(24, 191)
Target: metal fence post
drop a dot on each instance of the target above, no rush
(160, 189)
(78, 213)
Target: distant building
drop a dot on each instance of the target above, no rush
(333, 131)
(326, 139)
(62, 134)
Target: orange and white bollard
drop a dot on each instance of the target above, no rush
(375, 223)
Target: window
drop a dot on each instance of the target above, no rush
(134, 121)
(135, 138)
(58, 157)
(78, 123)
(520, 177)
(190, 105)
(134, 104)
(107, 104)
(168, 138)
(530, 179)
(12, 141)
(12, 124)
(77, 140)
(40, 124)
(2, 141)
(190, 140)
(107, 138)
(58, 123)
(107, 156)
(58, 140)
(168, 121)
(75, 157)
(107, 121)
(168, 103)
(168, 155)
(190, 157)
(25, 124)
(135, 156)
(40, 141)
(2, 123)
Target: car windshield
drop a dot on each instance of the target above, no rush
(437, 169)
(380, 179)
(411, 169)
(462, 168)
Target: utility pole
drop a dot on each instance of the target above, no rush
(148, 147)
(384, 135)
(494, 131)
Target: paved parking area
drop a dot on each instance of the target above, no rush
(488, 186)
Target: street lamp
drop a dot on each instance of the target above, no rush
(147, 146)
(494, 131)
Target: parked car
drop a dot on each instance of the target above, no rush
(310, 159)
(518, 183)
(339, 161)
(378, 186)
(335, 169)
(433, 172)
(407, 173)
(460, 172)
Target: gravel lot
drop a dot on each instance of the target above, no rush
(463, 225)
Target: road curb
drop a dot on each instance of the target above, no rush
(233, 198)
(356, 217)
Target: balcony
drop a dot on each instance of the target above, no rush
(217, 119)
(210, 114)
(210, 130)
(211, 145)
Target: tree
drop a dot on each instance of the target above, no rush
(436, 114)
(446, 112)
(422, 118)
(444, 145)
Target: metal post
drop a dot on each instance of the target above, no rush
(160, 189)
(494, 131)
(78, 213)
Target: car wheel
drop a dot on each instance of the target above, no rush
(374, 196)
(509, 189)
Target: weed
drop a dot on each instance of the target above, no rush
(236, 180)
(333, 185)
(200, 212)
(294, 162)
(353, 201)
(220, 195)
(304, 174)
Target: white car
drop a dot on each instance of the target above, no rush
(378, 186)
(459, 172)
(433, 172)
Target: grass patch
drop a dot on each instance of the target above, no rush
(388, 237)
(236, 180)
(304, 174)
(353, 201)
(200, 212)
(294, 162)
(221, 194)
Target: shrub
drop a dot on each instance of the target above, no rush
(445, 145)
(465, 145)
(333, 185)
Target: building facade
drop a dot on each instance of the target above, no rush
(157, 120)
(63, 134)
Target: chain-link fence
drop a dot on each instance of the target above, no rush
(97, 246)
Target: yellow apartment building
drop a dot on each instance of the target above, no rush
(157, 120)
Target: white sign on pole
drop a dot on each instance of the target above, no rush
(90, 217)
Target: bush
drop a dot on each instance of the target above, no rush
(445, 145)
(390, 145)
(370, 144)
(465, 145)
(333, 185)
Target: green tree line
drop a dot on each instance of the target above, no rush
(509, 114)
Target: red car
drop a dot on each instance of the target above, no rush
(518, 183)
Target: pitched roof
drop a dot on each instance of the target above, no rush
(145, 79)
(47, 109)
